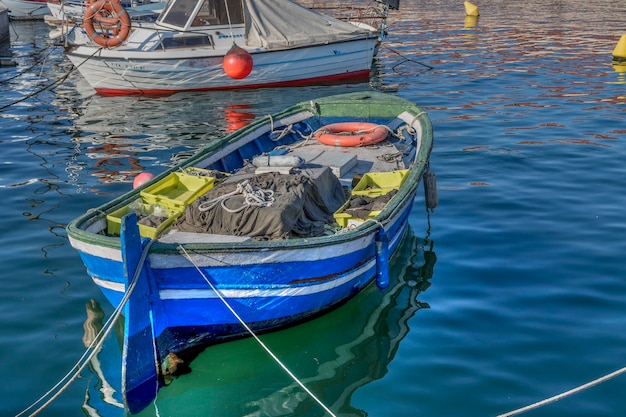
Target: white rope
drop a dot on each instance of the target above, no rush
(284, 132)
(252, 196)
(94, 346)
(260, 342)
(564, 394)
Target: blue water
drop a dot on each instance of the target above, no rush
(528, 295)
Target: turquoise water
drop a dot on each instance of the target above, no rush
(527, 294)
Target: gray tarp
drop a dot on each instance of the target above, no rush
(279, 24)
(303, 206)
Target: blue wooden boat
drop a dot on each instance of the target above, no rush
(267, 227)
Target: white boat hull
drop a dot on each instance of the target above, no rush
(115, 72)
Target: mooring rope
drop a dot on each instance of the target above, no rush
(94, 346)
(52, 84)
(50, 49)
(259, 341)
(405, 59)
(564, 394)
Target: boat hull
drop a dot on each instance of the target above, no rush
(268, 288)
(115, 72)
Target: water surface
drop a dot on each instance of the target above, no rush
(522, 296)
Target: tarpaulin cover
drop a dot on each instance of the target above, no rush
(279, 24)
(303, 205)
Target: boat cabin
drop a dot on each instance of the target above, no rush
(185, 15)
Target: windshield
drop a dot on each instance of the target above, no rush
(212, 12)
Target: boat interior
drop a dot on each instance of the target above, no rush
(311, 188)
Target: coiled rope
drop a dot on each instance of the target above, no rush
(259, 341)
(564, 394)
(92, 350)
(252, 196)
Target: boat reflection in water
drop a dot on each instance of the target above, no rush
(125, 135)
(332, 355)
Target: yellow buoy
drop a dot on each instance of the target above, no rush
(471, 21)
(619, 53)
(471, 9)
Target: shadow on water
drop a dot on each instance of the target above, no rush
(333, 355)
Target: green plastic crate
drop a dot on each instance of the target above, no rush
(177, 190)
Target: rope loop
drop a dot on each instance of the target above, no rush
(252, 197)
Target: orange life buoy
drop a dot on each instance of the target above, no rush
(351, 134)
(112, 19)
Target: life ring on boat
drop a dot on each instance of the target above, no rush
(351, 134)
(111, 18)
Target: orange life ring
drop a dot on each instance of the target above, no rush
(351, 134)
(112, 19)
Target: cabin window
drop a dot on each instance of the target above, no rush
(216, 12)
(186, 41)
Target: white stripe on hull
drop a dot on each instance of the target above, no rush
(291, 291)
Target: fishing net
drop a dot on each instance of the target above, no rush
(267, 206)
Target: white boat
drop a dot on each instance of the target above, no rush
(185, 49)
(25, 9)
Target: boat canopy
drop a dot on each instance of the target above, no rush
(276, 24)
(271, 24)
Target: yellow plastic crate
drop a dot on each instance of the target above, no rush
(344, 219)
(374, 184)
(114, 222)
(177, 190)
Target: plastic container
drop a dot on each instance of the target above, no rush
(177, 190)
(344, 219)
(374, 184)
(114, 219)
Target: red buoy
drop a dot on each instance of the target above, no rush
(142, 178)
(237, 63)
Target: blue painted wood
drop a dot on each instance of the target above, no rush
(140, 381)
(382, 259)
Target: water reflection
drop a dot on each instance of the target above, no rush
(333, 356)
(620, 69)
(101, 398)
(236, 118)
(125, 135)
